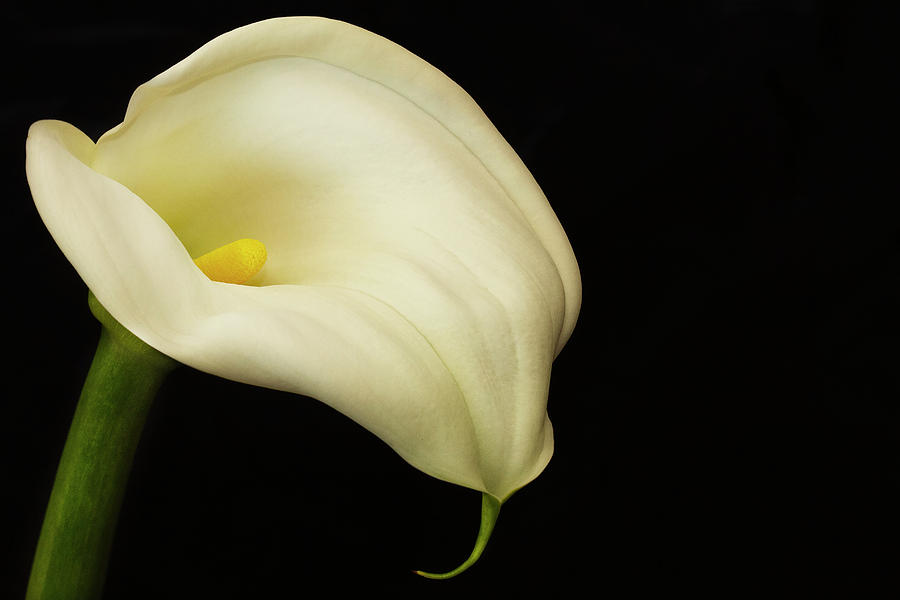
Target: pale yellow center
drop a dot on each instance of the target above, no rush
(235, 262)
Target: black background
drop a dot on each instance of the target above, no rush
(725, 413)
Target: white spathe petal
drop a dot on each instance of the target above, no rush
(330, 343)
(417, 281)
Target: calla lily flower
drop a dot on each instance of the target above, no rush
(416, 277)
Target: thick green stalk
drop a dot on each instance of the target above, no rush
(73, 550)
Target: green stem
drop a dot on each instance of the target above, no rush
(73, 549)
(490, 509)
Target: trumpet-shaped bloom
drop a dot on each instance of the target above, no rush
(417, 279)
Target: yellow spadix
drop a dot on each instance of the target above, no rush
(235, 262)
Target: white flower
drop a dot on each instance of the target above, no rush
(417, 279)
